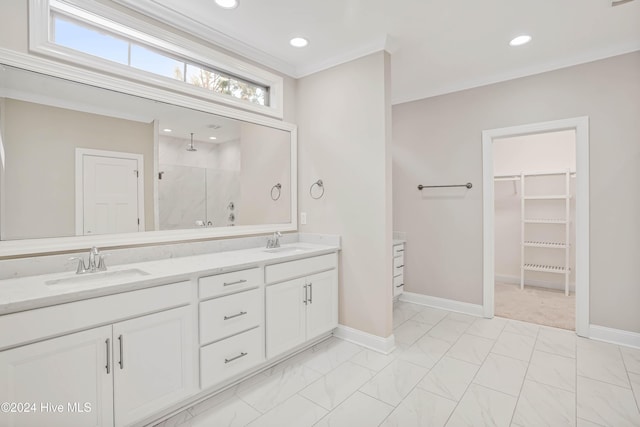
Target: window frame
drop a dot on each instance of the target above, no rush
(171, 44)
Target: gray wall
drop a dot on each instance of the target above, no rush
(344, 139)
(438, 140)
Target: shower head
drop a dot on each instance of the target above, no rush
(190, 147)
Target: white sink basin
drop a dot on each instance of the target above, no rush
(100, 277)
(291, 249)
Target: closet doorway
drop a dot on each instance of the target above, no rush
(536, 223)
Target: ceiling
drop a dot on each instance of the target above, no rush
(437, 46)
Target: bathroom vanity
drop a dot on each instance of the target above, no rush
(134, 343)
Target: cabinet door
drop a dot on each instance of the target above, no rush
(285, 320)
(152, 363)
(322, 310)
(68, 379)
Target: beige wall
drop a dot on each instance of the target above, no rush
(265, 161)
(39, 143)
(438, 140)
(551, 152)
(343, 127)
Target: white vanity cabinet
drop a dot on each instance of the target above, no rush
(398, 269)
(67, 370)
(109, 375)
(302, 307)
(152, 363)
(231, 324)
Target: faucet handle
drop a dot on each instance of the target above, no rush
(81, 267)
(101, 265)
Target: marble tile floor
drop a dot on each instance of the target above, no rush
(449, 370)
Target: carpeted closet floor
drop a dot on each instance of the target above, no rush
(535, 305)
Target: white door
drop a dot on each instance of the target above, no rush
(152, 363)
(285, 316)
(73, 371)
(322, 310)
(110, 194)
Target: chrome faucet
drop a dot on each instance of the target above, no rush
(274, 242)
(96, 262)
(93, 253)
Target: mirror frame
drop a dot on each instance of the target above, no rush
(43, 246)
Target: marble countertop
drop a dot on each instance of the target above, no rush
(31, 292)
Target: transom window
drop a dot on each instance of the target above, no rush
(91, 39)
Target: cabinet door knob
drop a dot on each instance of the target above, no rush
(310, 293)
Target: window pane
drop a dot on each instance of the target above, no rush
(72, 34)
(157, 63)
(207, 79)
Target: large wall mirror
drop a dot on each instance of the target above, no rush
(79, 160)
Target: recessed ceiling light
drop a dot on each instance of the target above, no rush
(298, 42)
(227, 4)
(166, 130)
(212, 137)
(520, 40)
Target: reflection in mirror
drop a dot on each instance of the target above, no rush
(80, 160)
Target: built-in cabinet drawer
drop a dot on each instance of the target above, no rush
(398, 250)
(398, 269)
(299, 268)
(228, 283)
(226, 316)
(398, 285)
(398, 262)
(224, 359)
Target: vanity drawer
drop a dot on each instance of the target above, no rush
(222, 317)
(302, 267)
(228, 283)
(398, 250)
(226, 358)
(398, 285)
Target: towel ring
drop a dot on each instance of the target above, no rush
(278, 187)
(320, 184)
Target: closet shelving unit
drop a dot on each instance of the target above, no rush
(564, 268)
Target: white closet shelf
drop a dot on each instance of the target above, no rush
(558, 197)
(546, 245)
(546, 268)
(545, 221)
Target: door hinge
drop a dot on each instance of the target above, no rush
(138, 221)
(137, 173)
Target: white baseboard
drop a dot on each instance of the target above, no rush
(614, 336)
(365, 339)
(515, 280)
(442, 303)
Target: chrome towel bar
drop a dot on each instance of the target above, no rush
(468, 185)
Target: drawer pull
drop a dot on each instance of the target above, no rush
(306, 294)
(400, 250)
(310, 293)
(237, 282)
(400, 285)
(243, 354)
(400, 266)
(242, 313)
